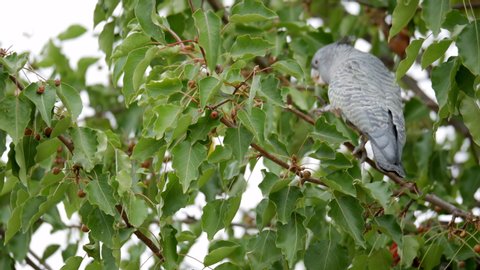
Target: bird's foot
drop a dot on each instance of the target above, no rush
(360, 150)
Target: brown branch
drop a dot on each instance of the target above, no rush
(44, 264)
(147, 241)
(67, 142)
(16, 82)
(32, 263)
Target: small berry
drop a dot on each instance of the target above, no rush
(192, 84)
(59, 149)
(81, 193)
(461, 264)
(146, 164)
(84, 228)
(56, 170)
(438, 209)
(37, 137)
(59, 160)
(41, 89)
(47, 131)
(307, 174)
(57, 82)
(477, 248)
(214, 115)
(463, 233)
(28, 132)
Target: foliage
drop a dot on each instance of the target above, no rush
(202, 95)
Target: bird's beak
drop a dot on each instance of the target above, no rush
(316, 77)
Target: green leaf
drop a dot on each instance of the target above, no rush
(100, 193)
(265, 211)
(434, 13)
(14, 223)
(72, 263)
(209, 87)
(269, 89)
(164, 87)
(14, 62)
(326, 255)
(220, 253)
(254, 122)
(286, 201)
(25, 152)
(432, 256)
(132, 42)
(186, 161)
(388, 225)
(70, 97)
(468, 43)
(134, 69)
(328, 133)
(169, 243)
(443, 80)
(249, 11)
(340, 181)
(136, 209)
(85, 143)
(262, 250)
(238, 139)
(435, 51)
(14, 116)
(347, 213)
(146, 148)
(43, 102)
(471, 113)
(218, 214)
(73, 31)
(412, 51)
(167, 114)
(209, 25)
(221, 153)
(402, 14)
(49, 251)
(291, 238)
(247, 46)
(106, 39)
(173, 196)
(290, 67)
(409, 250)
(101, 226)
(380, 192)
(145, 11)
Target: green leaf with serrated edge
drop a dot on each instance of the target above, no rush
(265, 211)
(43, 102)
(30, 207)
(262, 251)
(186, 161)
(167, 114)
(290, 67)
(100, 193)
(269, 89)
(101, 227)
(402, 14)
(72, 263)
(468, 43)
(471, 113)
(339, 162)
(380, 259)
(209, 87)
(25, 152)
(443, 79)
(323, 151)
(56, 195)
(14, 223)
(238, 139)
(14, 116)
(217, 213)
(73, 31)
(434, 13)
(134, 58)
(326, 132)
(146, 148)
(136, 209)
(169, 244)
(164, 87)
(85, 143)
(409, 250)
(347, 213)
(388, 225)
(254, 88)
(14, 62)
(145, 10)
(435, 51)
(291, 238)
(380, 192)
(130, 43)
(70, 97)
(326, 255)
(432, 256)
(285, 201)
(220, 154)
(254, 122)
(173, 196)
(249, 11)
(247, 46)
(61, 126)
(412, 52)
(220, 253)
(209, 25)
(341, 181)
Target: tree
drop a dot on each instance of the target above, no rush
(202, 95)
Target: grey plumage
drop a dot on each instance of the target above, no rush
(365, 93)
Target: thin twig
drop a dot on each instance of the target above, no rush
(43, 263)
(32, 263)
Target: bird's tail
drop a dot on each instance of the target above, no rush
(386, 150)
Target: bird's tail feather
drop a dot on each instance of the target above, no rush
(385, 149)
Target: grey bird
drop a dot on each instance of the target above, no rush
(365, 93)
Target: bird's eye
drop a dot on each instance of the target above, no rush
(316, 62)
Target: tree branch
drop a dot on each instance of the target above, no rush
(147, 241)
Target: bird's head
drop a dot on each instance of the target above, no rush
(324, 61)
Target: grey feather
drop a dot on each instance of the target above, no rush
(365, 92)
